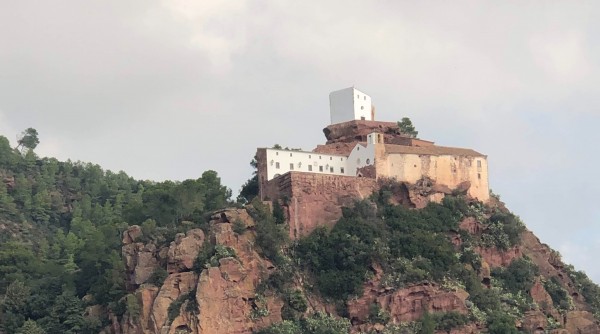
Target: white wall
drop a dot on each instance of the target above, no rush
(360, 157)
(349, 104)
(301, 160)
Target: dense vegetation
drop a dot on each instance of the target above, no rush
(60, 234)
(413, 246)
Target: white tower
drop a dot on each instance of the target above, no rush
(349, 104)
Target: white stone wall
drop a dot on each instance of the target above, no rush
(361, 156)
(280, 162)
(349, 104)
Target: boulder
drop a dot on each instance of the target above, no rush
(184, 250)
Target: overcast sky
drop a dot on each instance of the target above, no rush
(168, 89)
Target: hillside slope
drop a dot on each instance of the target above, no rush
(87, 251)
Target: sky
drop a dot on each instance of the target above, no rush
(166, 89)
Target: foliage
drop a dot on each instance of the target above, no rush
(278, 213)
(501, 323)
(560, 297)
(407, 128)
(427, 323)
(30, 327)
(588, 289)
(503, 231)
(518, 276)
(449, 320)
(210, 255)
(378, 315)
(318, 323)
(62, 240)
(28, 140)
(158, 276)
(270, 236)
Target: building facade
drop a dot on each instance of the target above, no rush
(359, 148)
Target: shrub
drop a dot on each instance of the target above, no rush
(450, 320)
(377, 315)
(158, 276)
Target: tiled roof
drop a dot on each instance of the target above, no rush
(431, 150)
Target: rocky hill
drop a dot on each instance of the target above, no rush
(85, 250)
(234, 289)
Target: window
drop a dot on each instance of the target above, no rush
(362, 107)
(309, 156)
(291, 166)
(342, 170)
(290, 154)
(331, 169)
(478, 163)
(358, 161)
(277, 165)
(479, 176)
(341, 159)
(319, 157)
(357, 96)
(320, 168)
(310, 168)
(276, 153)
(365, 97)
(330, 158)
(368, 161)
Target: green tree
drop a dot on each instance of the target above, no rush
(28, 140)
(31, 327)
(407, 128)
(427, 323)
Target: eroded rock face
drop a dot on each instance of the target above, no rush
(184, 250)
(405, 305)
(499, 258)
(581, 322)
(534, 322)
(175, 286)
(131, 234)
(140, 262)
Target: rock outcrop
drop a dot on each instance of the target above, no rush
(184, 250)
(218, 299)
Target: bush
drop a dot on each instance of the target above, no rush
(270, 236)
(559, 296)
(377, 315)
(158, 276)
(450, 320)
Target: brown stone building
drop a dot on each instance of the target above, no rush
(357, 153)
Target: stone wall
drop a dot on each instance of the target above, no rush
(315, 199)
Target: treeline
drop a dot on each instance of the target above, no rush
(60, 234)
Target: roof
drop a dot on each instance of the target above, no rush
(431, 150)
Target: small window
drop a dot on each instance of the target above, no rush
(291, 166)
(479, 176)
(319, 157)
(276, 153)
(368, 161)
(362, 107)
(309, 156)
(341, 159)
(342, 170)
(299, 165)
(478, 163)
(358, 161)
(277, 165)
(320, 168)
(331, 169)
(365, 97)
(310, 168)
(290, 154)
(330, 158)
(357, 96)
(358, 148)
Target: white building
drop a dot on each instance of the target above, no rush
(279, 162)
(350, 104)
